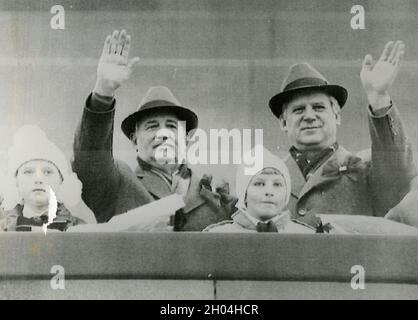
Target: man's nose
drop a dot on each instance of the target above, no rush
(161, 137)
(309, 114)
(164, 134)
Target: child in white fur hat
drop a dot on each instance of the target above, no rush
(262, 199)
(40, 186)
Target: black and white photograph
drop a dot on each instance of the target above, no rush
(234, 150)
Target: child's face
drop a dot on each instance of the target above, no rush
(33, 179)
(266, 196)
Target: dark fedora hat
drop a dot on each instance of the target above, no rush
(302, 77)
(159, 99)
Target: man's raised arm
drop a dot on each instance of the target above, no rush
(392, 166)
(93, 156)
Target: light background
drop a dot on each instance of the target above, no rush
(225, 59)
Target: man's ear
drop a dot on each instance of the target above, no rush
(283, 124)
(189, 136)
(133, 139)
(338, 117)
(337, 109)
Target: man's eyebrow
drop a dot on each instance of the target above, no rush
(300, 105)
(172, 121)
(148, 122)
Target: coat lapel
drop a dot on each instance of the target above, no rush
(300, 187)
(153, 183)
(317, 178)
(314, 180)
(160, 189)
(296, 176)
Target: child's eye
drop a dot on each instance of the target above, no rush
(27, 171)
(48, 172)
(278, 184)
(259, 184)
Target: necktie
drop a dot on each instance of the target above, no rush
(266, 227)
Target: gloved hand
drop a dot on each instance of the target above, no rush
(220, 199)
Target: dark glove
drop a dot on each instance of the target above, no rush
(206, 182)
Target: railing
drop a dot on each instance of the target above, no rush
(27, 259)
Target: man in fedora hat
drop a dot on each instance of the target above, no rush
(110, 187)
(326, 178)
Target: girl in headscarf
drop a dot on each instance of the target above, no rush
(40, 187)
(262, 199)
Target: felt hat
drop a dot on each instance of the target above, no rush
(301, 77)
(158, 99)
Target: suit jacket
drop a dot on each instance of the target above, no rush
(111, 187)
(346, 184)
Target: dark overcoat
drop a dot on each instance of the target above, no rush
(346, 184)
(111, 187)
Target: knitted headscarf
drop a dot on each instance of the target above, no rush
(268, 160)
(31, 143)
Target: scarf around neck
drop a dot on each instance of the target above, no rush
(309, 164)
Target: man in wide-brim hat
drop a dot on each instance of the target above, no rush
(326, 178)
(110, 187)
